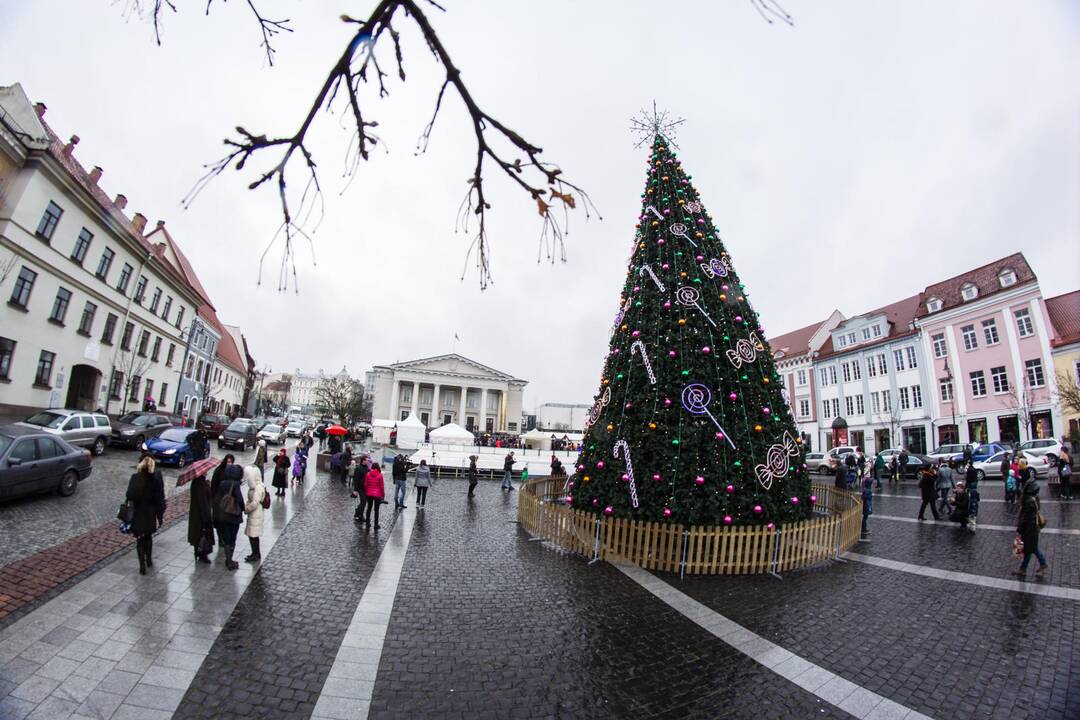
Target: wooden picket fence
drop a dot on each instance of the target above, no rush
(694, 550)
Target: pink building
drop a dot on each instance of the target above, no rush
(793, 354)
(987, 335)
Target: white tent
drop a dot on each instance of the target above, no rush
(452, 434)
(380, 431)
(537, 439)
(410, 433)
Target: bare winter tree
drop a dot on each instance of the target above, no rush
(1021, 400)
(6, 266)
(340, 396)
(131, 365)
(1068, 393)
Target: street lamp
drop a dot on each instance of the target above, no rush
(952, 400)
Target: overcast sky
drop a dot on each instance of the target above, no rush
(849, 161)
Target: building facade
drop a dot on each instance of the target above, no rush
(793, 355)
(562, 416)
(96, 316)
(989, 335)
(1064, 312)
(449, 389)
(304, 390)
(193, 397)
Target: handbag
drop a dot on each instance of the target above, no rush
(228, 505)
(265, 502)
(126, 513)
(1041, 520)
(206, 543)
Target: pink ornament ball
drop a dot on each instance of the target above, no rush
(667, 402)
(667, 211)
(608, 510)
(600, 465)
(701, 221)
(660, 241)
(671, 353)
(656, 477)
(699, 480)
(667, 512)
(667, 304)
(724, 287)
(636, 333)
(738, 318)
(637, 288)
(580, 468)
(794, 500)
(727, 520)
(813, 498)
(766, 411)
(700, 258)
(595, 502)
(758, 509)
(569, 499)
(625, 477)
(628, 406)
(665, 266)
(732, 396)
(706, 350)
(730, 489)
(719, 435)
(771, 526)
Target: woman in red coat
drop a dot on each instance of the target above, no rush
(374, 491)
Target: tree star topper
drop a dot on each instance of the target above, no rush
(646, 126)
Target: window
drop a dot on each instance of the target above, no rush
(82, 244)
(156, 300)
(971, 342)
(846, 369)
(832, 374)
(133, 391)
(946, 388)
(125, 339)
(990, 331)
(875, 402)
(20, 294)
(172, 352)
(905, 402)
(1007, 277)
(968, 291)
(110, 329)
(912, 361)
(940, 348)
(842, 341)
(849, 405)
(933, 304)
(882, 368)
(916, 396)
(104, 263)
(898, 358)
(825, 409)
(167, 308)
(140, 289)
(800, 377)
(866, 333)
(1023, 322)
(7, 353)
(125, 278)
(860, 408)
(86, 323)
(144, 342)
(871, 366)
(116, 384)
(856, 369)
(156, 352)
(1000, 378)
(823, 377)
(804, 408)
(886, 401)
(44, 368)
(836, 407)
(1034, 370)
(164, 394)
(180, 316)
(851, 338)
(148, 391)
(60, 306)
(978, 384)
(877, 330)
(48, 222)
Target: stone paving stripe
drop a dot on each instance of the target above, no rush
(828, 686)
(1021, 586)
(978, 525)
(347, 692)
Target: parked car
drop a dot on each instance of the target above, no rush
(33, 460)
(295, 428)
(982, 451)
(818, 462)
(839, 453)
(272, 434)
(76, 427)
(240, 434)
(179, 446)
(991, 466)
(134, 429)
(1049, 447)
(915, 463)
(947, 452)
(213, 425)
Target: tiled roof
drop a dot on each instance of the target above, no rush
(900, 315)
(185, 267)
(985, 278)
(794, 343)
(227, 351)
(1064, 312)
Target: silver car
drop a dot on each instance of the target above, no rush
(1048, 447)
(990, 468)
(818, 462)
(76, 427)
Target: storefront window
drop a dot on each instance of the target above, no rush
(977, 431)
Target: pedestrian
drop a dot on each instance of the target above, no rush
(229, 511)
(200, 520)
(260, 457)
(524, 475)
(254, 508)
(903, 457)
(399, 472)
(346, 462)
(423, 482)
(281, 473)
(508, 471)
(1010, 487)
(473, 474)
(850, 464)
(867, 502)
(393, 436)
(320, 433)
(971, 484)
(1006, 467)
(879, 469)
(840, 475)
(299, 467)
(146, 493)
(961, 502)
(1028, 525)
(1064, 468)
(944, 483)
(374, 492)
(928, 492)
(860, 463)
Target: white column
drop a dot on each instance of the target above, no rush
(394, 399)
(464, 390)
(501, 422)
(436, 414)
(483, 409)
(415, 396)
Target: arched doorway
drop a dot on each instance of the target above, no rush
(839, 432)
(83, 387)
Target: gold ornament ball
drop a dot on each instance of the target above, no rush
(757, 428)
(682, 321)
(655, 223)
(652, 426)
(610, 427)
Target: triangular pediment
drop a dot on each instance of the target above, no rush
(454, 364)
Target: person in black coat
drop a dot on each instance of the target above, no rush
(1027, 527)
(840, 476)
(201, 519)
(928, 490)
(281, 472)
(146, 493)
(226, 521)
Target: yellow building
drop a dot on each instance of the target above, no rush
(1064, 312)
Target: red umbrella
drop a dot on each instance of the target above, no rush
(336, 430)
(195, 469)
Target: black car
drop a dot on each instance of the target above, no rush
(33, 461)
(915, 464)
(240, 435)
(133, 429)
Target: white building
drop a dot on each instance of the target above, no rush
(793, 354)
(565, 417)
(89, 298)
(304, 391)
(448, 389)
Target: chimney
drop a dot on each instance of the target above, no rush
(71, 145)
(95, 175)
(139, 223)
(161, 223)
(40, 108)
(120, 202)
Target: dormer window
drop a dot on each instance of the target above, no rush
(1007, 277)
(933, 304)
(968, 291)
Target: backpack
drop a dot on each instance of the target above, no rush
(227, 503)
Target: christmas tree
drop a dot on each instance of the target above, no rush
(691, 423)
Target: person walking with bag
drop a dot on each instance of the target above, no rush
(146, 493)
(229, 511)
(200, 531)
(257, 502)
(473, 474)
(926, 489)
(1028, 525)
(374, 492)
(260, 457)
(508, 472)
(1064, 468)
(423, 482)
(944, 483)
(281, 472)
(399, 472)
